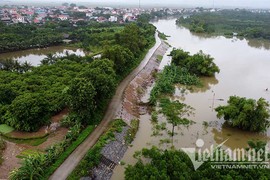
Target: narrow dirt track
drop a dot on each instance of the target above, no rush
(76, 156)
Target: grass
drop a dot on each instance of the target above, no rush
(31, 142)
(159, 57)
(4, 129)
(28, 152)
(132, 131)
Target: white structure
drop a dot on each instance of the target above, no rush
(63, 17)
(113, 19)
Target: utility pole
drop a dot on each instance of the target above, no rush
(139, 4)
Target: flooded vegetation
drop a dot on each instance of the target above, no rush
(243, 72)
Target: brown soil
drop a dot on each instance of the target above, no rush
(12, 150)
(42, 131)
(10, 160)
(130, 109)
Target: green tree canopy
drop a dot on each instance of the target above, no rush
(28, 112)
(131, 38)
(175, 112)
(200, 64)
(80, 98)
(156, 164)
(103, 77)
(121, 56)
(246, 114)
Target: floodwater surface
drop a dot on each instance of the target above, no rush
(34, 56)
(244, 72)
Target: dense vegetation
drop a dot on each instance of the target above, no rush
(175, 164)
(24, 36)
(93, 156)
(199, 64)
(29, 98)
(185, 69)
(226, 22)
(83, 85)
(175, 112)
(246, 114)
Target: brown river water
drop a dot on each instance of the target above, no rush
(34, 56)
(245, 71)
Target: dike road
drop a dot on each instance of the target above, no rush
(77, 155)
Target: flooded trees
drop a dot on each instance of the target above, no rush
(160, 164)
(246, 114)
(176, 112)
(199, 64)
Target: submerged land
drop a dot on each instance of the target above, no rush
(124, 82)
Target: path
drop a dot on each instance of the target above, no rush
(76, 156)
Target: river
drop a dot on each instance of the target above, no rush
(34, 56)
(244, 72)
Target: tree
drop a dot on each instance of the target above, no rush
(246, 114)
(72, 5)
(65, 4)
(7, 94)
(50, 59)
(103, 77)
(199, 64)
(175, 112)
(168, 164)
(122, 57)
(80, 98)
(28, 112)
(130, 38)
(175, 164)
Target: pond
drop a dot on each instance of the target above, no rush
(34, 56)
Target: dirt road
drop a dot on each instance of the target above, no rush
(73, 160)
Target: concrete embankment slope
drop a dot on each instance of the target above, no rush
(76, 156)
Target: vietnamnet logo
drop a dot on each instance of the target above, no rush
(226, 158)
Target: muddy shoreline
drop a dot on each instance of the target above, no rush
(130, 109)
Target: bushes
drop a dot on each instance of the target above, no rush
(93, 156)
(175, 164)
(60, 159)
(28, 112)
(246, 114)
(44, 164)
(185, 70)
(132, 131)
(168, 77)
(199, 64)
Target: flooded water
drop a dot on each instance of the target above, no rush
(34, 56)
(244, 72)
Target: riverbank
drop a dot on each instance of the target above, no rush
(76, 156)
(130, 107)
(111, 152)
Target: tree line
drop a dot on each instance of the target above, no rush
(226, 22)
(29, 98)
